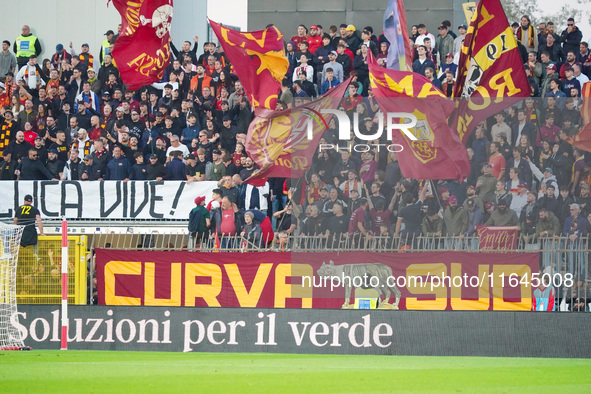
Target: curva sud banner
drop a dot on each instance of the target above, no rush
(105, 199)
(413, 281)
(499, 334)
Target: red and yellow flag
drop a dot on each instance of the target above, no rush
(282, 143)
(490, 72)
(582, 140)
(259, 61)
(142, 50)
(437, 152)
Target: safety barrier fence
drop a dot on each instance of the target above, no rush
(39, 271)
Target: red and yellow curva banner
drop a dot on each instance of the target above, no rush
(426, 281)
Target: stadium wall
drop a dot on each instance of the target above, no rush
(61, 21)
(496, 334)
(288, 15)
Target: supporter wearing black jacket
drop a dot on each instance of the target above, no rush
(90, 170)
(7, 168)
(155, 171)
(31, 169)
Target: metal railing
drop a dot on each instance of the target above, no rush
(558, 256)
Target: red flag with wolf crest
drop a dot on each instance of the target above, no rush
(142, 50)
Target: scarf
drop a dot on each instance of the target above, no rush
(313, 193)
(347, 187)
(37, 78)
(531, 36)
(51, 83)
(5, 135)
(76, 145)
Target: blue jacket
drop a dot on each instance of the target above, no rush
(118, 169)
(176, 169)
(329, 85)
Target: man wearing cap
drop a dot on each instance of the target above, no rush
(41, 149)
(444, 44)
(569, 82)
(336, 67)
(551, 75)
(353, 40)
(95, 84)
(199, 222)
(26, 215)
(218, 169)
(502, 216)
(7, 60)
(54, 165)
(520, 199)
(105, 45)
(26, 45)
(59, 55)
(155, 170)
(8, 168)
(85, 57)
(314, 40)
(459, 41)
(8, 128)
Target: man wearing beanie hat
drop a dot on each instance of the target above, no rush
(502, 216)
(198, 223)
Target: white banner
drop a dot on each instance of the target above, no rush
(105, 199)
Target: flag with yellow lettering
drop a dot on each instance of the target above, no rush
(142, 50)
(490, 72)
(282, 143)
(582, 140)
(435, 152)
(259, 61)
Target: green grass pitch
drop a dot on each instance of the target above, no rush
(45, 371)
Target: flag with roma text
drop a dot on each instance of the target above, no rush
(142, 50)
(437, 152)
(259, 61)
(491, 76)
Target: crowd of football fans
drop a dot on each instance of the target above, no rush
(70, 117)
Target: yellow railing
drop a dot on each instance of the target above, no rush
(39, 271)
